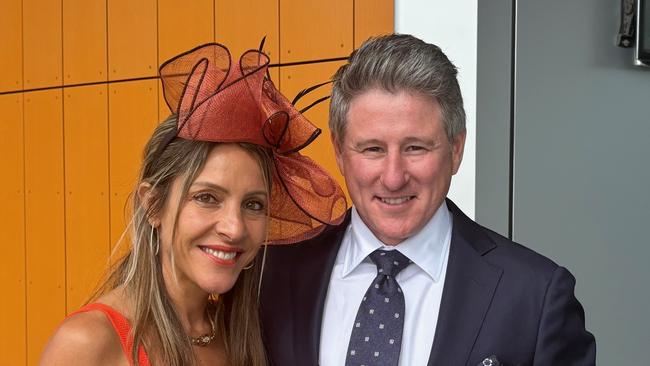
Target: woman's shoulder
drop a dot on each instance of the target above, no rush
(84, 338)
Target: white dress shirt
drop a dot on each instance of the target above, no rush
(421, 283)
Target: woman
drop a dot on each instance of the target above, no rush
(221, 176)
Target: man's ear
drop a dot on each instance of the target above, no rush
(338, 153)
(457, 148)
(145, 194)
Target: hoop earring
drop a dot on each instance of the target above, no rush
(259, 283)
(156, 246)
(250, 265)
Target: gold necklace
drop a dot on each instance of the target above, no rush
(205, 339)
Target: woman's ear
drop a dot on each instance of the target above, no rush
(145, 194)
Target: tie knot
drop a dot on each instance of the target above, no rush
(389, 262)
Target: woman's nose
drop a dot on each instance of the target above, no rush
(230, 225)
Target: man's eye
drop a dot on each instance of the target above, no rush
(254, 205)
(415, 148)
(372, 149)
(204, 198)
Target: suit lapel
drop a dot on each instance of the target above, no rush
(469, 287)
(309, 282)
(470, 284)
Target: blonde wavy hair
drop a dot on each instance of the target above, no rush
(139, 272)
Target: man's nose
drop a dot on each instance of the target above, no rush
(394, 175)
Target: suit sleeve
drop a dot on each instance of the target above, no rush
(562, 338)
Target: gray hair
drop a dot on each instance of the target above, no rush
(394, 63)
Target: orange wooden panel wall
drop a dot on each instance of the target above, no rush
(242, 24)
(315, 29)
(44, 217)
(11, 47)
(133, 114)
(86, 190)
(12, 235)
(372, 18)
(42, 46)
(183, 25)
(80, 98)
(84, 41)
(132, 41)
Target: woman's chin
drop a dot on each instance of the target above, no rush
(220, 286)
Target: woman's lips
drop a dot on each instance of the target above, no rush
(221, 254)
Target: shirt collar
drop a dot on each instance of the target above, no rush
(426, 248)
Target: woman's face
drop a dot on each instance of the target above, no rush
(221, 222)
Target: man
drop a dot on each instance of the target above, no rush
(451, 292)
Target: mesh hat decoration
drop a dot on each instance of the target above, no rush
(216, 100)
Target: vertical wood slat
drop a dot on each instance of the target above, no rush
(197, 18)
(241, 25)
(372, 18)
(296, 78)
(42, 48)
(12, 236)
(133, 114)
(84, 41)
(86, 184)
(11, 48)
(44, 218)
(132, 40)
(183, 25)
(315, 29)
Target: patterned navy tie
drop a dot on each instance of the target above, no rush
(377, 331)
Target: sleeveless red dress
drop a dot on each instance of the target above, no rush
(122, 328)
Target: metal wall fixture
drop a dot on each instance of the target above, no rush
(634, 30)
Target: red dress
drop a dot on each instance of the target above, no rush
(122, 328)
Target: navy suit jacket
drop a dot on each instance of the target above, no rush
(499, 298)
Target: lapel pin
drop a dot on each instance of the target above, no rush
(490, 361)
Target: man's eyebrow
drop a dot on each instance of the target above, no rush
(408, 140)
(368, 142)
(428, 141)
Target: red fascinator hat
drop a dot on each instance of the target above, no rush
(217, 100)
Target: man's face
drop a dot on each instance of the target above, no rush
(397, 161)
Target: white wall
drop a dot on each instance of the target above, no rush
(451, 25)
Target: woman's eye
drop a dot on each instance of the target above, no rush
(205, 198)
(254, 205)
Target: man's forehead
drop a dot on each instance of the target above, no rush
(404, 116)
(381, 103)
